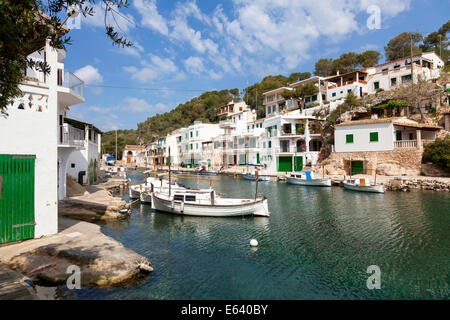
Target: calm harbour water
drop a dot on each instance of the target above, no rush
(317, 244)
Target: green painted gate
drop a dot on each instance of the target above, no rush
(16, 197)
(298, 164)
(357, 167)
(284, 164)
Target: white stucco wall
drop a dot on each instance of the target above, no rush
(35, 133)
(361, 138)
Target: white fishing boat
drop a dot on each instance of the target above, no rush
(252, 176)
(208, 204)
(135, 191)
(362, 184)
(307, 178)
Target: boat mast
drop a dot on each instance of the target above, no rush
(169, 172)
(154, 160)
(256, 180)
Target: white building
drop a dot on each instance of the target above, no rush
(290, 142)
(384, 134)
(35, 144)
(192, 140)
(133, 155)
(83, 163)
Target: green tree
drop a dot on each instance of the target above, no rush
(346, 62)
(438, 153)
(298, 76)
(369, 58)
(254, 93)
(323, 68)
(400, 46)
(25, 26)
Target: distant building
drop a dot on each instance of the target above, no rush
(83, 163)
(134, 155)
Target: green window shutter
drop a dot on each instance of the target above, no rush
(191, 134)
(191, 146)
(373, 136)
(196, 133)
(264, 144)
(270, 144)
(349, 138)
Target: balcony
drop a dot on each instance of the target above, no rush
(70, 136)
(410, 144)
(70, 88)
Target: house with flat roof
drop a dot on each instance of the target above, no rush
(361, 146)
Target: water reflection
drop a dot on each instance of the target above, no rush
(317, 243)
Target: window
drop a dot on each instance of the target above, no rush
(196, 146)
(190, 198)
(393, 82)
(406, 78)
(333, 94)
(72, 165)
(374, 137)
(178, 197)
(314, 97)
(376, 85)
(196, 133)
(264, 144)
(323, 97)
(270, 144)
(191, 146)
(349, 90)
(349, 138)
(191, 134)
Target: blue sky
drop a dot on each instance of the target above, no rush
(196, 46)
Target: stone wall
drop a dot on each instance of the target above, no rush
(417, 183)
(399, 162)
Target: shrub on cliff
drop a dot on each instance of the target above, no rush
(438, 153)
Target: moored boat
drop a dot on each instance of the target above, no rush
(307, 178)
(252, 176)
(363, 185)
(208, 204)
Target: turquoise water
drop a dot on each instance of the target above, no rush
(317, 244)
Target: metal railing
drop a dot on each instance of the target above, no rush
(71, 136)
(74, 83)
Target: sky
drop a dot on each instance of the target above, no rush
(184, 48)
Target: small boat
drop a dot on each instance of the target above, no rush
(208, 204)
(306, 178)
(252, 176)
(363, 185)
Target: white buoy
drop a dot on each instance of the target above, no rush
(254, 243)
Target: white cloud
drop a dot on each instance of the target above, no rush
(150, 16)
(133, 104)
(151, 70)
(194, 65)
(89, 74)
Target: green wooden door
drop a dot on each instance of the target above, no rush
(398, 135)
(16, 198)
(357, 167)
(284, 164)
(257, 158)
(298, 163)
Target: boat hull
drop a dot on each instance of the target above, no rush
(146, 198)
(312, 182)
(134, 193)
(252, 178)
(258, 208)
(372, 189)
